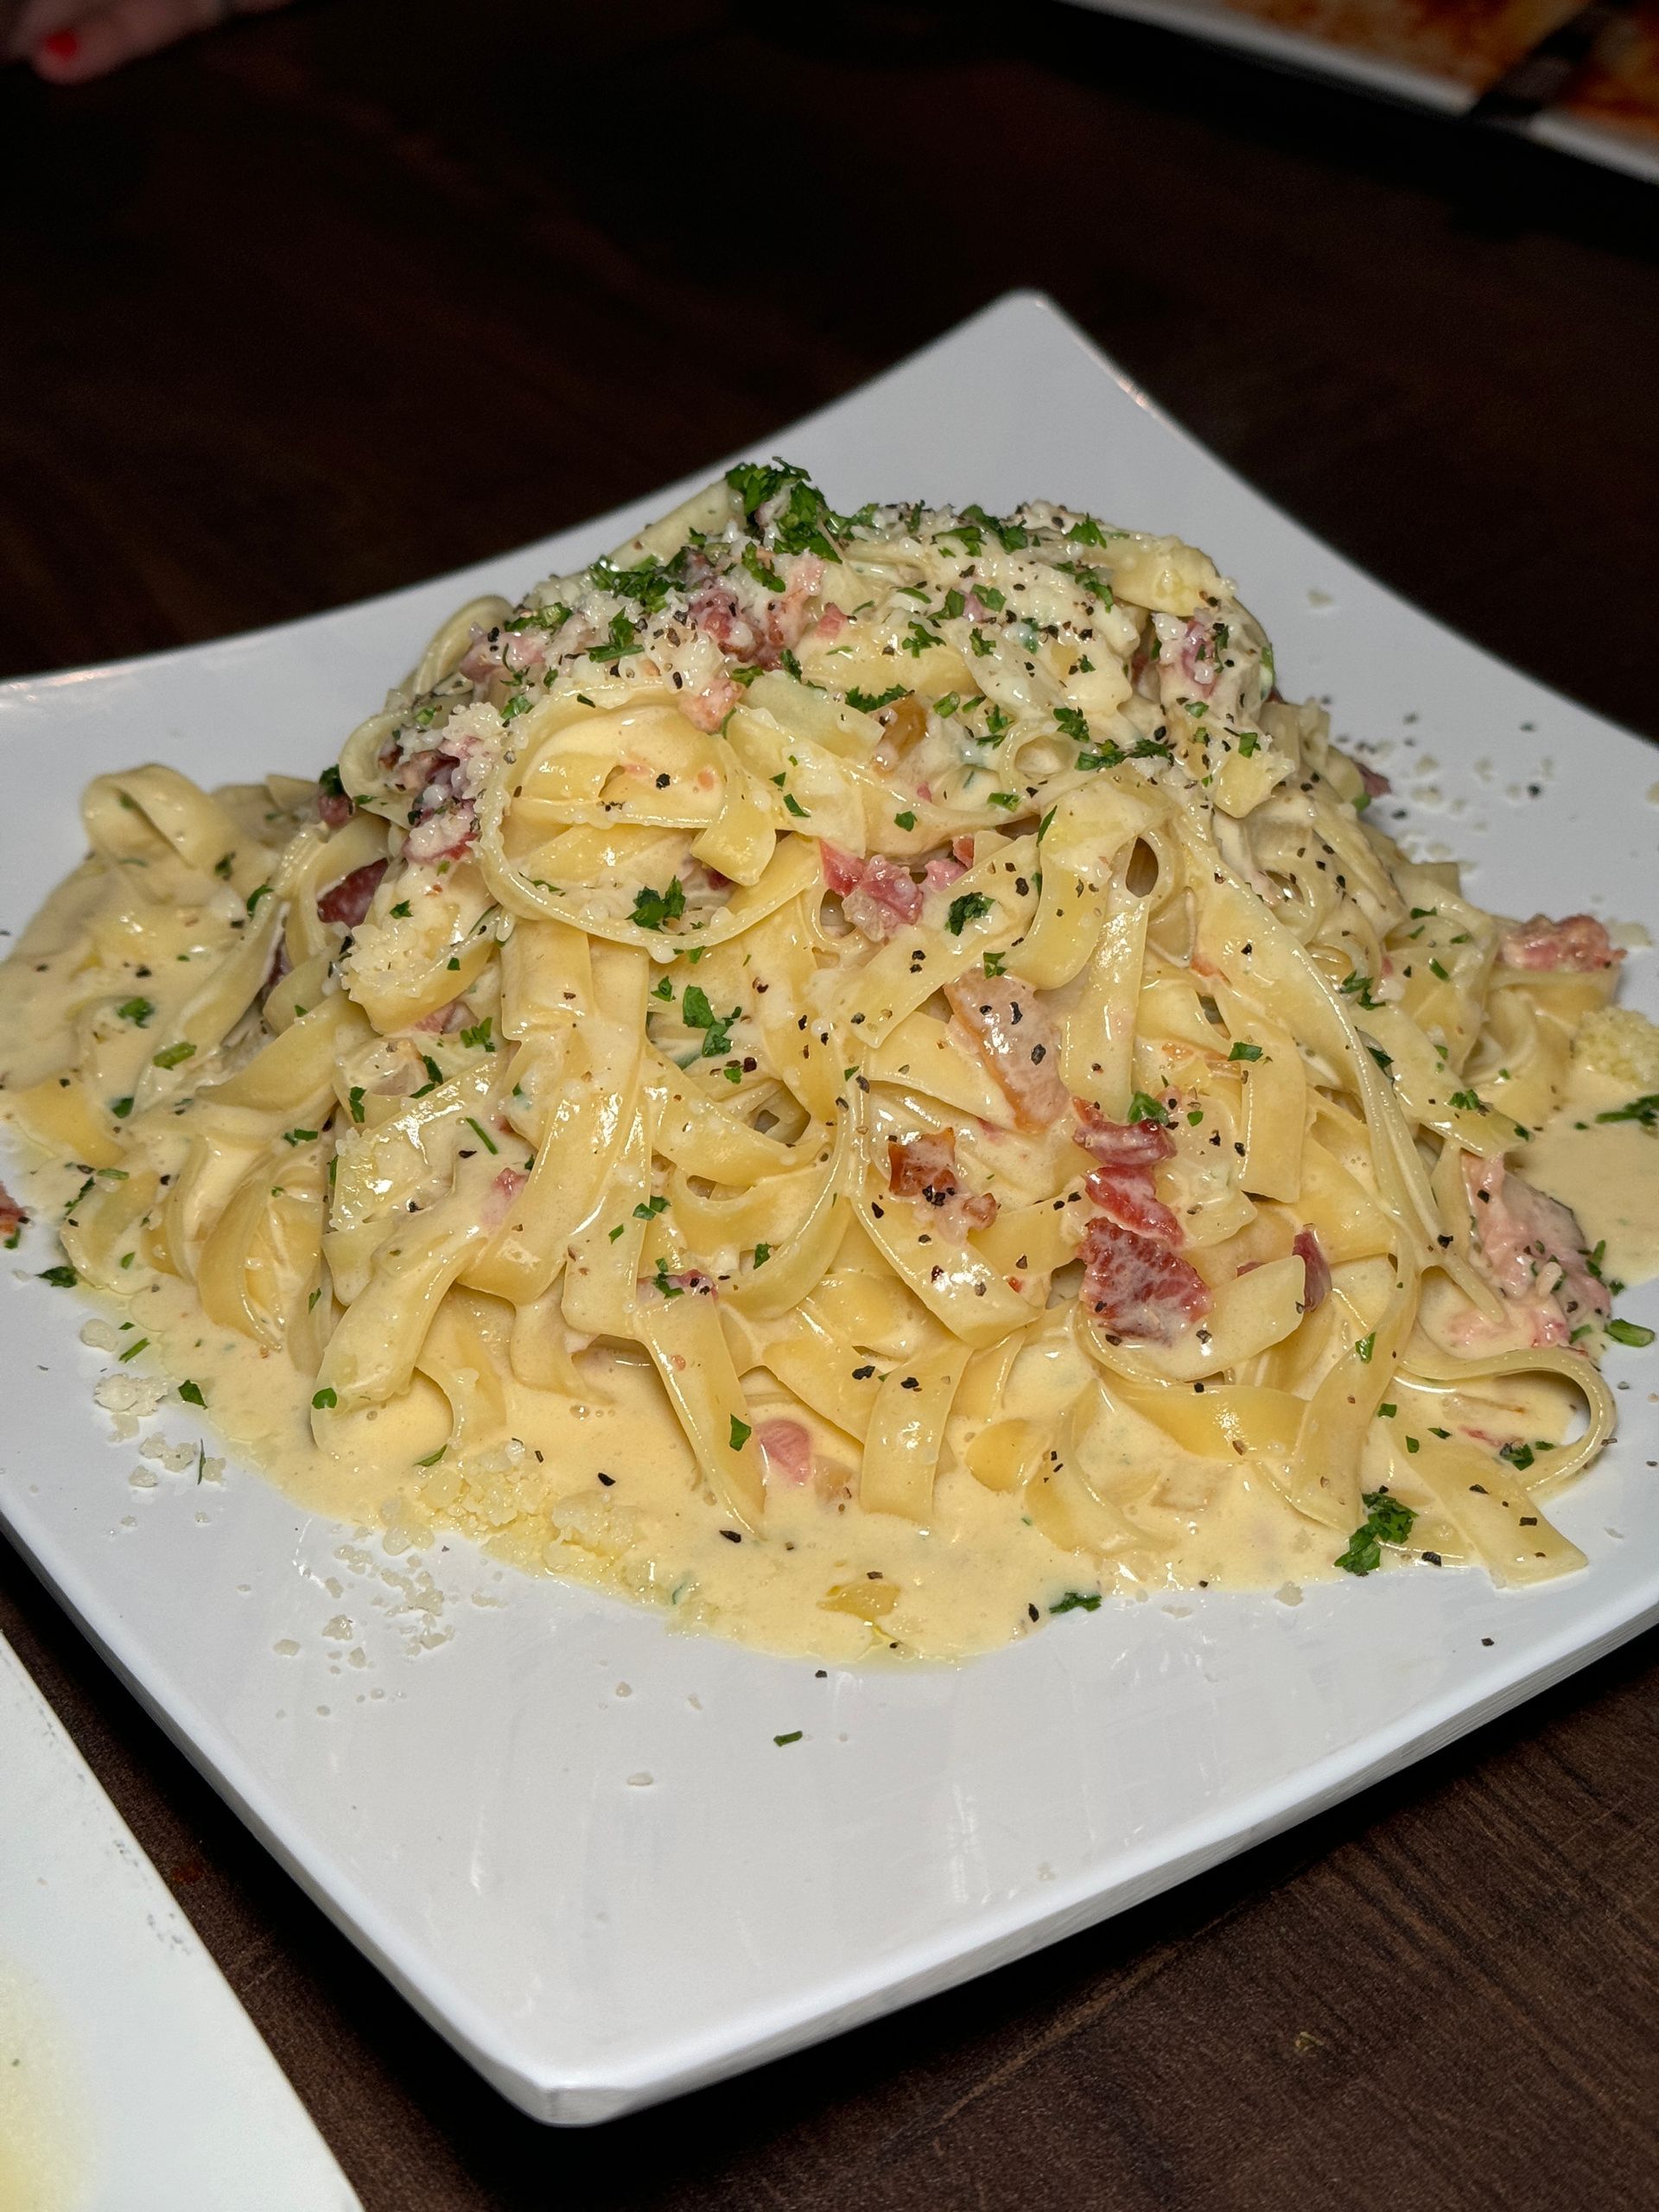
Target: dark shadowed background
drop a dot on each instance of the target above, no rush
(343, 297)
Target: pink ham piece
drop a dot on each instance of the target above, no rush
(1534, 1250)
(925, 1167)
(758, 639)
(939, 874)
(786, 1446)
(443, 1019)
(877, 895)
(1376, 784)
(1137, 1289)
(348, 900)
(1316, 1268)
(1125, 1195)
(334, 807)
(1120, 1144)
(1016, 1040)
(14, 1218)
(1580, 944)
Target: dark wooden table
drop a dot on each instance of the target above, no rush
(340, 298)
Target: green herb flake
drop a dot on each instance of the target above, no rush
(740, 1433)
(1141, 1108)
(133, 1349)
(762, 1254)
(652, 909)
(1365, 1347)
(482, 1133)
(1244, 1051)
(1629, 1332)
(904, 820)
(325, 1398)
(871, 703)
(137, 1011)
(1077, 1601)
(1387, 1522)
(175, 1055)
(794, 1735)
(60, 1278)
(191, 1393)
(967, 908)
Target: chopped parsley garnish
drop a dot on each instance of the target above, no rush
(794, 807)
(191, 1393)
(754, 561)
(482, 1134)
(136, 1010)
(1071, 720)
(1244, 1051)
(663, 990)
(697, 1014)
(1520, 1456)
(323, 1398)
(400, 912)
(479, 1035)
(652, 909)
(651, 1208)
(967, 908)
(917, 638)
(740, 1433)
(1248, 743)
(871, 703)
(1365, 1347)
(1356, 986)
(329, 784)
(1077, 1601)
(803, 522)
(795, 1735)
(1467, 1102)
(255, 896)
(904, 820)
(1144, 1108)
(993, 963)
(60, 1278)
(1010, 536)
(762, 1254)
(1005, 800)
(121, 1108)
(1387, 1522)
(1645, 1110)
(299, 1136)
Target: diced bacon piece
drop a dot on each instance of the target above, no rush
(709, 708)
(483, 657)
(443, 1019)
(1139, 1289)
(1120, 1144)
(843, 872)
(334, 807)
(831, 622)
(1126, 1195)
(14, 1218)
(349, 900)
(786, 1446)
(1017, 1042)
(1533, 1247)
(1316, 1268)
(878, 895)
(961, 848)
(689, 1279)
(925, 1167)
(1376, 784)
(758, 637)
(940, 873)
(1580, 943)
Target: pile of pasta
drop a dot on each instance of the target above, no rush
(909, 975)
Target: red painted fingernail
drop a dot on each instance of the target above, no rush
(62, 46)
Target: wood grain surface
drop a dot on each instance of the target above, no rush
(336, 299)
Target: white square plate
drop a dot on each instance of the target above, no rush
(602, 1899)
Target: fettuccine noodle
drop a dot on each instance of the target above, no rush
(899, 1004)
